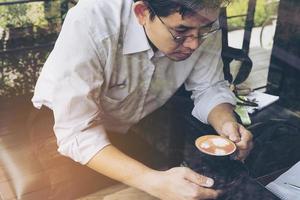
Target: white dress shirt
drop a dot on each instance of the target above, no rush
(102, 72)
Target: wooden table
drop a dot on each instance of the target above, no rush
(124, 192)
(117, 192)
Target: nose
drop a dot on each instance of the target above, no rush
(192, 43)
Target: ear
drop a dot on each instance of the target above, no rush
(141, 12)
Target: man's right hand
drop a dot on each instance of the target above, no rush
(181, 183)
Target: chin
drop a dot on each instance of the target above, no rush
(178, 57)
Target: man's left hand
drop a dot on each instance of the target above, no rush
(240, 136)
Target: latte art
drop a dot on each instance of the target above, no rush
(220, 152)
(215, 145)
(220, 142)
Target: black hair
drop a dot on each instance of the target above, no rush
(164, 8)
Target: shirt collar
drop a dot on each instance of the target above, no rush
(135, 39)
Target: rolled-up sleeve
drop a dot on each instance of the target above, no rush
(78, 128)
(70, 84)
(206, 81)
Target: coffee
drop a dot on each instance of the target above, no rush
(215, 145)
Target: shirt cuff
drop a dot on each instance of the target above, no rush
(84, 145)
(211, 99)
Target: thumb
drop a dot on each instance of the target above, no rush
(231, 130)
(234, 136)
(198, 179)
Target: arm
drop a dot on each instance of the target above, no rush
(213, 99)
(221, 114)
(161, 184)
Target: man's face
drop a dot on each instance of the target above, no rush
(161, 32)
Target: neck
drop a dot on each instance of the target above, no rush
(154, 48)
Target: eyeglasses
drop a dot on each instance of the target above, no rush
(202, 35)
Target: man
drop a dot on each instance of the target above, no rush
(117, 61)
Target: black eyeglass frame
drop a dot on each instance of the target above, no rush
(180, 39)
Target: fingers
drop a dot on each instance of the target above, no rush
(242, 155)
(187, 184)
(230, 130)
(234, 136)
(240, 136)
(205, 193)
(246, 138)
(246, 143)
(197, 179)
